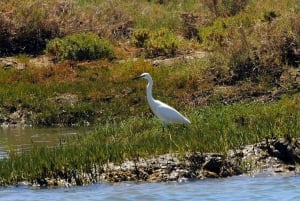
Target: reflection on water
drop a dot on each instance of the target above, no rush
(260, 187)
(22, 138)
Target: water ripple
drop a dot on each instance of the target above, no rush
(259, 187)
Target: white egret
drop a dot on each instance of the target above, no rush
(164, 112)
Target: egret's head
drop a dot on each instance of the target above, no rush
(144, 75)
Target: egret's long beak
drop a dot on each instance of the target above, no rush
(138, 77)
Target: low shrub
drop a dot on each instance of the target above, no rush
(85, 46)
(140, 36)
(157, 43)
(161, 43)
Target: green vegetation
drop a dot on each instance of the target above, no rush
(214, 129)
(245, 89)
(158, 43)
(80, 47)
(255, 51)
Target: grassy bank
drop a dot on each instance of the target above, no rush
(97, 92)
(214, 129)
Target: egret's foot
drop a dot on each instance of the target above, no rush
(166, 126)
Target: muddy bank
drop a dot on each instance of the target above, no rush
(269, 156)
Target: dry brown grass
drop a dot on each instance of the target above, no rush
(25, 26)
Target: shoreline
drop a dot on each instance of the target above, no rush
(271, 156)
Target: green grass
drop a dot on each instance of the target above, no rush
(106, 91)
(216, 128)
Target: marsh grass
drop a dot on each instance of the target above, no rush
(105, 92)
(216, 128)
(102, 92)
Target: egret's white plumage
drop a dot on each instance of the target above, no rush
(164, 112)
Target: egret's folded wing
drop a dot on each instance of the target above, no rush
(170, 114)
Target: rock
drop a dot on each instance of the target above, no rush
(213, 164)
(276, 155)
(155, 177)
(181, 58)
(257, 158)
(291, 167)
(11, 62)
(14, 116)
(285, 149)
(69, 99)
(23, 183)
(209, 174)
(41, 61)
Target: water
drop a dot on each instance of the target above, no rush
(260, 187)
(21, 138)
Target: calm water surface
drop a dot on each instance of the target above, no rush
(260, 187)
(22, 138)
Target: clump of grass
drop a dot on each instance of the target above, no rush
(157, 43)
(78, 47)
(140, 37)
(161, 43)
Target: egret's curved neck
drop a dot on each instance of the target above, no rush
(149, 90)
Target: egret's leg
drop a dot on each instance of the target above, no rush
(163, 126)
(171, 140)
